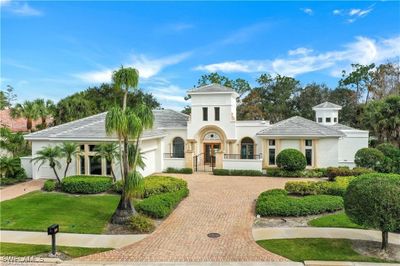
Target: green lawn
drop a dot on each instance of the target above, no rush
(301, 249)
(74, 213)
(334, 220)
(20, 250)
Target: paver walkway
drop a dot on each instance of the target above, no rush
(17, 190)
(221, 204)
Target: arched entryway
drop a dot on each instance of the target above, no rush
(211, 139)
(247, 148)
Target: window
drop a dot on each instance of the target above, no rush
(95, 165)
(108, 168)
(308, 142)
(205, 114)
(82, 164)
(328, 120)
(271, 142)
(309, 156)
(335, 119)
(319, 119)
(216, 113)
(92, 147)
(178, 148)
(82, 147)
(247, 149)
(271, 156)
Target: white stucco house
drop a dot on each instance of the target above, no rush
(210, 137)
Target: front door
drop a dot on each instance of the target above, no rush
(209, 152)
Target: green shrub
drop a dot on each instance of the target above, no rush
(332, 172)
(337, 188)
(179, 170)
(356, 171)
(117, 186)
(50, 185)
(154, 185)
(237, 172)
(277, 172)
(4, 181)
(373, 200)
(369, 158)
(160, 206)
(276, 202)
(389, 150)
(141, 224)
(291, 160)
(86, 184)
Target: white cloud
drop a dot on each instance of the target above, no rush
(308, 11)
(147, 67)
(363, 51)
(359, 12)
(172, 98)
(20, 8)
(337, 12)
(300, 51)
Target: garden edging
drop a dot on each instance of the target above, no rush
(321, 232)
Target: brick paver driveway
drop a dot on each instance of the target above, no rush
(221, 204)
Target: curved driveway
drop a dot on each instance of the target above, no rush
(220, 204)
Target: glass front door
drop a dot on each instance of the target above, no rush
(209, 152)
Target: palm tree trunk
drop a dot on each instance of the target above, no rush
(113, 174)
(125, 157)
(44, 123)
(125, 100)
(124, 211)
(29, 124)
(66, 168)
(55, 172)
(385, 240)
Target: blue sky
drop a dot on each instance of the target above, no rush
(53, 49)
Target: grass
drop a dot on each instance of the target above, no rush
(301, 249)
(74, 213)
(339, 219)
(20, 250)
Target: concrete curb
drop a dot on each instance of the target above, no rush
(71, 240)
(321, 232)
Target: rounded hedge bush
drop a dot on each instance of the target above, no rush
(86, 184)
(141, 224)
(369, 158)
(373, 200)
(49, 185)
(276, 202)
(291, 160)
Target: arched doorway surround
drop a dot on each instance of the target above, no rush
(210, 139)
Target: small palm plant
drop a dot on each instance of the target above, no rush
(109, 151)
(8, 166)
(49, 155)
(68, 150)
(27, 110)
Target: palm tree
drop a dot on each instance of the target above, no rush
(68, 150)
(134, 156)
(44, 109)
(8, 166)
(109, 151)
(27, 110)
(12, 142)
(127, 124)
(50, 155)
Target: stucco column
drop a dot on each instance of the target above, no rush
(189, 159)
(219, 155)
(302, 149)
(265, 146)
(314, 149)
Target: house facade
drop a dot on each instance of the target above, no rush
(211, 137)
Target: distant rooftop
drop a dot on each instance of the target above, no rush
(299, 126)
(212, 88)
(327, 105)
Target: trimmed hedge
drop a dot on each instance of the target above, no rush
(86, 184)
(291, 160)
(172, 170)
(154, 185)
(369, 158)
(49, 185)
(5, 181)
(141, 224)
(277, 172)
(276, 202)
(333, 172)
(337, 188)
(160, 206)
(237, 172)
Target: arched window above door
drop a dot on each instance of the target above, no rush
(178, 148)
(247, 148)
(212, 136)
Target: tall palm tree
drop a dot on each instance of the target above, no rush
(49, 155)
(127, 124)
(44, 109)
(68, 150)
(108, 151)
(27, 110)
(8, 166)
